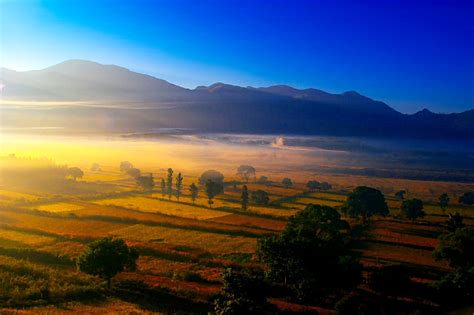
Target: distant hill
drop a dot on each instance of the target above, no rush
(149, 103)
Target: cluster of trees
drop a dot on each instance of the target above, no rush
(315, 185)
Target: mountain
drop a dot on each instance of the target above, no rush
(141, 102)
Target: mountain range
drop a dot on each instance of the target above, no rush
(112, 98)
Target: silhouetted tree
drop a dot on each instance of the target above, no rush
(213, 175)
(467, 198)
(400, 194)
(212, 190)
(365, 202)
(260, 197)
(263, 180)
(242, 292)
(287, 182)
(106, 258)
(146, 182)
(246, 171)
(245, 197)
(169, 182)
(179, 185)
(413, 209)
(455, 221)
(194, 190)
(133, 172)
(125, 165)
(163, 188)
(457, 248)
(314, 184)
(75, 172)
(443, 201)
(310, 253)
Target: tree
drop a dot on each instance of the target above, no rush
(365, 202)
(133, 172)
(467, 198)
(400, 194)
(287, 182)
(146, 182)
(125, 165)
(163, 188)
(75, 172)
(246, 171)
(212, 175)
(169, 182)
(457, 248)
(260, 197)
(179, 185)
(212, 190)
(95, 167)
(242, 293)
(455, 221)
(413, 209)
(263, 180)
(390, 279)
(245, 197)
(311, 254)
(312, 185)
(443, 201)
(194, 190)
(106, 258)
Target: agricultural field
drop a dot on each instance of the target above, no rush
(184, 245)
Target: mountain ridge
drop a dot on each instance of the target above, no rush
(222, 107)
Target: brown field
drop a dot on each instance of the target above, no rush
(184, 246)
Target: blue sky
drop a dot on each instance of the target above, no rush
(410, 54)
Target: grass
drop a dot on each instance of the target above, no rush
(213, 243)
(59, 207)
(165, 207)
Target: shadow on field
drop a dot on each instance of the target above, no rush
(158, 299)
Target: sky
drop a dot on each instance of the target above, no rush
(409, 54)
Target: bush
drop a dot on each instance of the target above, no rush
(390, 279)
(457, 288)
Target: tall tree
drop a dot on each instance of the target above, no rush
(163, 188)
(169, 182)
(194, 190)
(365, 202)
(443, 201)
(245, 197)
(179, 185)
(212, 190)
(413, 209)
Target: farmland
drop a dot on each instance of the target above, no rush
(184, 244)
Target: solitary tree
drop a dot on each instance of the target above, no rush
(287, 182)
(146, 182)
(163, 188)
(245, 197)
(125, 165)
(212, 190)
(443, 201)
(365, 202)
(194, 190)
(169, 182)
(260, 197)
(106, 258)
(467, 198)
(413, 209)
(95, 167)
(213, 175)
(312, 185)
(179, 185)
(455, 221)
(75, 172)
(457, 248)
(133, 172)
(263, 180)
(246, 172)
(400, 194)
